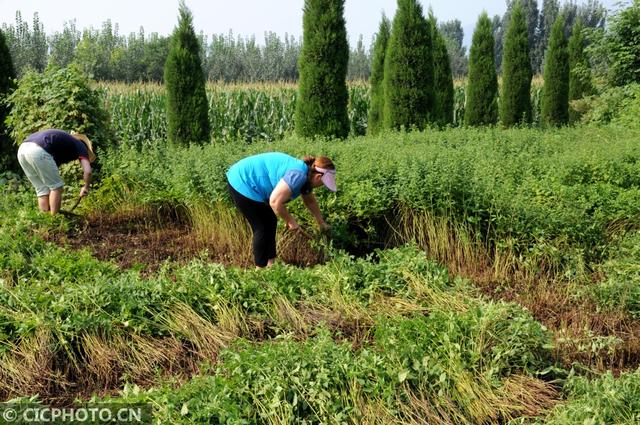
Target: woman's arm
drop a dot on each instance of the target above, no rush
(86, 174)
(312, 205)
(280, 195)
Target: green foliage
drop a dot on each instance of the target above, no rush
(620, 290)
(187, 111)
(623, 46)
(550, 202)
(442, 113)
(376, 107)
(482, 86)
(599, 401)
(619, 105)
(408, 69)
(7, 77)
(28, 46)
(321, 107)
(580, 81)
(515, 100)
(59, 98)
(555, 93)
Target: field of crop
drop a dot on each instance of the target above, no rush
(247, 112)
(471, 276)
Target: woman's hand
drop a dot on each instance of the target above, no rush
(84, 191)
(292, 225)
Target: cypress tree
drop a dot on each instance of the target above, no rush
(482, 85)
(376, 108)
(187, 107)
(321, 108)
(408, 69)
(555, 93)
(580, 83)
(7, 77)
(515, 98)
(442, 79)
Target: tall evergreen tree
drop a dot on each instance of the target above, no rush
(7, 77)
(555, 93)
(321, 108)
(376, 108)
(531, 14)
(515, 98)
(187, 107)
(548, 16)
(482, 85)
(580, 83)
(442, 78)
(408, 69)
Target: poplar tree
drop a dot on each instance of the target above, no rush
(555, 92)
(408, 69)
(321, 108)
(482, 86)
(515, 98)
(376, 108)
(187, 106)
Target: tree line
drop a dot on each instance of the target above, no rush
(107, 55)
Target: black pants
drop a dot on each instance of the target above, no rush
(263, 222)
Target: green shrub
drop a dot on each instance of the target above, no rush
(623, 46)
(619, 105)
(59, 98)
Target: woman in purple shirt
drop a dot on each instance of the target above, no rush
(43, 152)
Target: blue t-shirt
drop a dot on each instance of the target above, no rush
(256, 176)
(62, 146)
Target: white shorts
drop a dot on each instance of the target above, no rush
(40, 168)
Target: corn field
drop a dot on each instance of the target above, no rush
(246, 112)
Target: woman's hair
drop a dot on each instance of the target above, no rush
(319, 161)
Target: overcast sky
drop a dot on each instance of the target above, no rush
(243, 17)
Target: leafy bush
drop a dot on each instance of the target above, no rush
(59, 98)
(619, 105)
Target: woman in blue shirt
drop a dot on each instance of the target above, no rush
(260, 185)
